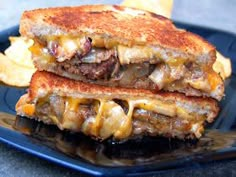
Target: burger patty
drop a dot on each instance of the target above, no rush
(107, 68)
(91, 71)
(98, 71)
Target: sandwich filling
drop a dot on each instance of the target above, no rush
(103, 118)
(103, 112)
(104, 62)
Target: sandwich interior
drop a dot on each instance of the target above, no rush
(103, 112)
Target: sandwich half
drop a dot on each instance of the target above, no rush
(104, 112)
(117, 46)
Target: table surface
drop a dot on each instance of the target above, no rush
(218, 14)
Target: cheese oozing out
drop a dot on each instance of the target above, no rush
(133, 53)
(110, 118)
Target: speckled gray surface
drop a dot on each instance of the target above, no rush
(218, 14)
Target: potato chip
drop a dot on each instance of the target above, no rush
(222, 66)
(162, 7)
(19, 52)
(14, 74)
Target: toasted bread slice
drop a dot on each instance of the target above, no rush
(102, 112)
(103, 44)
(120, 26)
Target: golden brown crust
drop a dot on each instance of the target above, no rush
(179, 124)
(125, 25)
(44, 83)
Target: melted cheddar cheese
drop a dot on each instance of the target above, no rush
(213, 79)
(29, 109)
(110, 118)
(128, 54)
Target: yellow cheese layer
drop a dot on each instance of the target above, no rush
(110, 119)
(127, 54)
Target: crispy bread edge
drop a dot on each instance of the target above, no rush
(43, 83)
(53, 21)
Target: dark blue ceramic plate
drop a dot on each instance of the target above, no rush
(137, 157)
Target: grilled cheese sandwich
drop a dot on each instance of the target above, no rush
(104, 112)
(118, 46)
(111, 71)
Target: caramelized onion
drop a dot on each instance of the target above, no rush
(133, 72)
(97, 55)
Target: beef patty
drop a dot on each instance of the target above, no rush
(108, 65)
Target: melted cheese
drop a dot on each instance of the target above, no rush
(38, 51)
(213, 79)
(97, 123)
(29, 109)
(114, 121)
(174, 62)
(136, 54)
(125, 128)
(155, 106)
(73, 103)
(69, 45)
(110, 119)
(208, 83)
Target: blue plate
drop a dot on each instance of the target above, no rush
(144, 156)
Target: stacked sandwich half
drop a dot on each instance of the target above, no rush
(111, 71)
